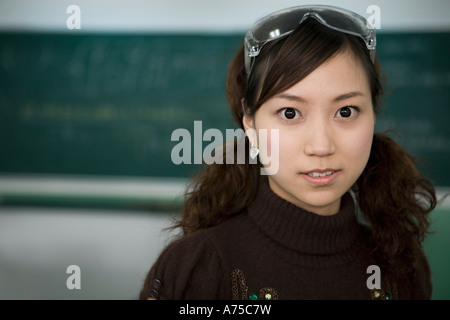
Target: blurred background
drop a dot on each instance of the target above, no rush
(86, 117)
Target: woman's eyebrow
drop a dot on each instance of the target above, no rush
(337, 99)
(290, 97)
(348, 95)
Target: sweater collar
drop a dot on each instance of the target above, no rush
(303, 231)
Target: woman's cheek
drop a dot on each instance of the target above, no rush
(359, 147)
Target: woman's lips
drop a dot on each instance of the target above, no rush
(321, 177)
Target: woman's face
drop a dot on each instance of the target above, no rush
(325, 124)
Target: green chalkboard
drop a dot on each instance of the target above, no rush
(108, 104)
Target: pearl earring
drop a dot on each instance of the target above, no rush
(254, 151)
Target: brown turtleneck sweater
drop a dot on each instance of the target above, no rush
(276, 250)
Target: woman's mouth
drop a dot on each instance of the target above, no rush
(321, 177)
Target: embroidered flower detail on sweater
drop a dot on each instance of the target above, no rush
(240, 291)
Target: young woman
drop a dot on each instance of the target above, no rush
(346, 211)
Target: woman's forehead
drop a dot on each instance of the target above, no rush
(340, 75)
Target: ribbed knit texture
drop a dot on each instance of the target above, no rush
(306, 235)
(295, 253)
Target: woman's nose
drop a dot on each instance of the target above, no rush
(319, 140)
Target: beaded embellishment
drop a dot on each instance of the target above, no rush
(155, 293)
(239, 289)
(390, 294)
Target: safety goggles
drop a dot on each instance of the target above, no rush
(280, 24)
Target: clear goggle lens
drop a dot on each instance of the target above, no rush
(282, 23)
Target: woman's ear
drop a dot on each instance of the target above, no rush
(249, 125)
(247, 121)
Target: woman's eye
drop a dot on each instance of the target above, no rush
(289, 113)
(347, 111)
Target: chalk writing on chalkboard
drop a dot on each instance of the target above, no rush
(108, 104)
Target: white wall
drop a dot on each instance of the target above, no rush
(114, 250)
(202, 15)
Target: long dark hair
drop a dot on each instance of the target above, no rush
(394, 207)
